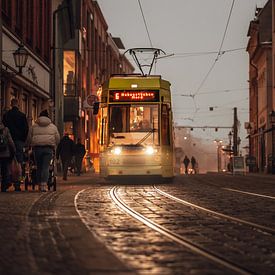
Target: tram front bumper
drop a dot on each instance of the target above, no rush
(134, 170)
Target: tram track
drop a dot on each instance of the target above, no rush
(261, 228)
(195, 248)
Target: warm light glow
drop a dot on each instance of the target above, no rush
(134, 85)
(117, 151)
(149, 150)
(99, 91)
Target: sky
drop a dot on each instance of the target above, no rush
(192, 33)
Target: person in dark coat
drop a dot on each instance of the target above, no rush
(17, 124)
(193, 164)
(6, 155)
(186, 162)
(79, 153)
(65, 150)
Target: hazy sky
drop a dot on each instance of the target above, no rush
(191, 30)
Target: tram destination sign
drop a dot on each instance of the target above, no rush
(134, 96)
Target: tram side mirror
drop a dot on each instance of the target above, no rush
(95, 108)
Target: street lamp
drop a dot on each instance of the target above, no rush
(20, 57)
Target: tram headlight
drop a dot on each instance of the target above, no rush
(149, 150)
(116, 151)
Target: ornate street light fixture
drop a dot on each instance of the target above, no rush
(20, 57)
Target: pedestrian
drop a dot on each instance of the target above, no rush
(65, 150)
(79, 153)
(43, 138)
(7, 151)
(18, 126)
(186, 162)
(193, 164)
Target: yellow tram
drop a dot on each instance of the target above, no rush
(136, 131)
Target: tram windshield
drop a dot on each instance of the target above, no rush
(134, 124)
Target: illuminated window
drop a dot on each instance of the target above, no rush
(69, 73)
(24, 104)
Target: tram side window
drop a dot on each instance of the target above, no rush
(165, 133)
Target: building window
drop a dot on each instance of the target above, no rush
(24, 104)
(14, 93)
(29, 19)
(34, 110)
(6, 11)
(69, 73)
(68, 129)
(19, 16)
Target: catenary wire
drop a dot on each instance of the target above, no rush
(144, 20)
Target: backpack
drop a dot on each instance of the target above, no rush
(4, 143)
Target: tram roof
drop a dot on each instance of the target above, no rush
(125, 81)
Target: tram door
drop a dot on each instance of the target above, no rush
(166, 142)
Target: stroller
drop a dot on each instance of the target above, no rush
(31, 171)
(52, 177)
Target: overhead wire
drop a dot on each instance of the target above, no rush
(220, 53)
(144, 21)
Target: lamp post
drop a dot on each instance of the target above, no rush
(20, 57)
(230, 139)
(219, 145)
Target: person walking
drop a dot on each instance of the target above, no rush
(17, 123)
(43, 138)
(65, 150)
(79, 153)
(186, 162)
(193, 164)
(7, 151)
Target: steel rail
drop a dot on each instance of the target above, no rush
(251, 224)
(249, 193)
(173, 236)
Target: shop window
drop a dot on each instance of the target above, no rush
(24, 104)
(69, 73)
(14, 93)
(68, 129)
(34, 110)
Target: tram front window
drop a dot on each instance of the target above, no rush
(130, 124)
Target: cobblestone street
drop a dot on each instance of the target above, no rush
(82, 229)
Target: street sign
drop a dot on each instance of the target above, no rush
(238, 165)
(89, 102)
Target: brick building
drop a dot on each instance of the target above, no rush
(26, 23)
(261, 94)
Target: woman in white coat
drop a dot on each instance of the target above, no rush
(43, 138)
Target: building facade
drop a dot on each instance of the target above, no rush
(85, 55)
(261, 95)
(26, 24)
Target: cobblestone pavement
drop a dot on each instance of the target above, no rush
(41, 233)
(44, 234)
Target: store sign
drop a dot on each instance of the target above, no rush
(134, 96)
(238, 165)
(88, 103)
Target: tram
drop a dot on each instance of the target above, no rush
(136, 131)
